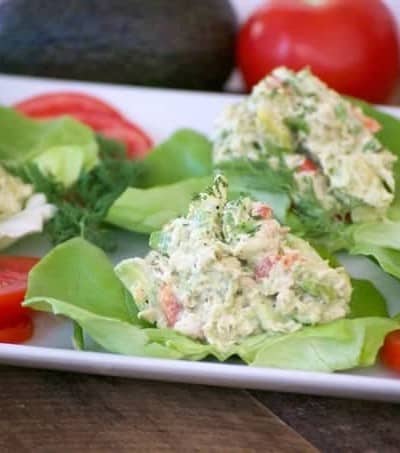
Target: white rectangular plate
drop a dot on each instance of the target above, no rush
(160, 112)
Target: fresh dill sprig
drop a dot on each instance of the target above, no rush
(82, 208)
(315, 219)
(306, 217)
(310, 219)
(258, 175)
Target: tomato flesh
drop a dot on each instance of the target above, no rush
(350, 45)
(22, 264)
(137, 144)
(390, 352)
(18, 332)
(13, 283)
(93, 112)
(12, 293)
(62, 103)
(169, 305)
(308, 166)
(263, 268)
(370, 123)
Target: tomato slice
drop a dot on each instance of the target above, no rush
(390, 352)
(18, 332)
(136, 141)
(94, 113)
(62, 103)
(137, 144)
(13, 282)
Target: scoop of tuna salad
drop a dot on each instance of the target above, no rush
(229, 270)
(328, 143)
(13, 194)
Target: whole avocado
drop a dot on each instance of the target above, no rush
(172, 43)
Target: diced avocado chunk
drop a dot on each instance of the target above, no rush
(276, 129)
(159, 241)
(136, 279)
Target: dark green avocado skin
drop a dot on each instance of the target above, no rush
(171, 43)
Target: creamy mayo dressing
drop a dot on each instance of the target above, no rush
(296, 116)
(229, 270)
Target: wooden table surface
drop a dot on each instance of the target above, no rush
(46, 411)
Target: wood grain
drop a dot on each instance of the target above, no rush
(44, 411)
(339, 425)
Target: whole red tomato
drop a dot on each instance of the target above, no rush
(350, 44)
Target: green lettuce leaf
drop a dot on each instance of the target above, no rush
(147, 210)
(339, 345)
(186, 154)
(379, 234)
(86, 269)
(61, 148)
(76, 280)
(387, 258)
(366, 301)
(380, 241)
(170, 176)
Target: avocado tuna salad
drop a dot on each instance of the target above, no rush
(294, 119)
(22, 211)
(13, 194)
(228, 270)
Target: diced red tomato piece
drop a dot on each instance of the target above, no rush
(274, 82)
(263, 268)
(261, 210)
(289, 258)
(308, 166)
(370, 123)
(169, 305)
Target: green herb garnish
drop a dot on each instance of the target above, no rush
(297, 124)
(82, 208)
